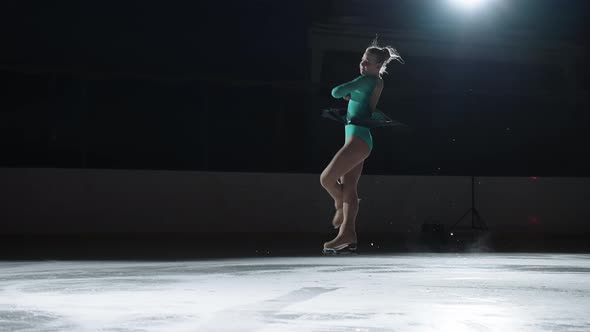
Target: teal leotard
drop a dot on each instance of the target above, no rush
(360, 90)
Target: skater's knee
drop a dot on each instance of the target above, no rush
(326, 180)
(323, 180)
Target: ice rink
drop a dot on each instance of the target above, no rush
(405, 292)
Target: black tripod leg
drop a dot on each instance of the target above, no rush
(480, 222)
(458, 221)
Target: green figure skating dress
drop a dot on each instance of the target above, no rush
(360, 90)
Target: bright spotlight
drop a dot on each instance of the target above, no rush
(467, 4)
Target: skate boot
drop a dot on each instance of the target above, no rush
(343, 244)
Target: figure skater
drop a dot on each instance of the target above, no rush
(341, 176)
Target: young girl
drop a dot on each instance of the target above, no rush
(340, 177)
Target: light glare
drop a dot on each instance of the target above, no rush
(467, 4)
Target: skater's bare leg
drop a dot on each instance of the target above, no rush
(353, 152)
(346, 164)
(339, 214)
(347, 232)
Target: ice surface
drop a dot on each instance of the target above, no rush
(436, 292)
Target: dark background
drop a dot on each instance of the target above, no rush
(225, 86)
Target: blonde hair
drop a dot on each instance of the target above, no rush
(384, 54)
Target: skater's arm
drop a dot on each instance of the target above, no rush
(346, 88)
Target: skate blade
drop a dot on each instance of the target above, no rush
(344, 249)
